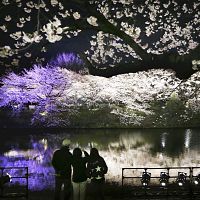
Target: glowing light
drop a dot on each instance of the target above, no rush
(188, 135)
(163, 184)
(164, 178)
(43, 113)
(181, 179)
(180, 183)
(31, 107)
(163, 140)
(16, 106)
(197, 179)
(146, 176)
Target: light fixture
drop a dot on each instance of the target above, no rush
(146, 176)
(16, 106)
(5, 179)
(197, 179)
(31, 106)
(181, 179)
(164, 178)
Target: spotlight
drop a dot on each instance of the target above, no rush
(145, 178)
(197, 179)
(5, 179)
(164, 178)
(31, 106)
(181, 179)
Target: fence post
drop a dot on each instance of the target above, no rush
(122, 191)
(1, 187)
(191, 182)
(27, 183)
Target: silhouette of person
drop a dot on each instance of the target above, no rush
(61, 162)
(96, 169)
(79, 175)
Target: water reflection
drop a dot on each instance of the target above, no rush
(163, 139)
(188, 136)
(120, 148)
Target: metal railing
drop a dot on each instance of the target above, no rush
(153, 188)
(14, 189)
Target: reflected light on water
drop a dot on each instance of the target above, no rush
(21, 153)
(163, 140)
(126, 150)
(188, 135)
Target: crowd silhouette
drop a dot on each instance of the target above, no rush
(74, 171)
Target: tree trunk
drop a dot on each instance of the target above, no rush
(179, 64)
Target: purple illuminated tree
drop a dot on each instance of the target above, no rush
(69, 61)
(41, 88)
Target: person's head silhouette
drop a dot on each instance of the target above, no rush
(94, 153)
(77, 152)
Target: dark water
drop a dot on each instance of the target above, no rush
(119, 147)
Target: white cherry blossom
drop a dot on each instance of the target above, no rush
(8, 18)
(92, 21)
(76, 15)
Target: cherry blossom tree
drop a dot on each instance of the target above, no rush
(126, 35)
(39, 89)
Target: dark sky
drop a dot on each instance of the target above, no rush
(76, 44)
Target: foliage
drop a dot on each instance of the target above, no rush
(41, 88)
(174, 112)
(69, 61)
(92, 117)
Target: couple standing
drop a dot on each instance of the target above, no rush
(90, 166)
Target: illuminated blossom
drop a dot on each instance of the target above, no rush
(32, 38)
(8, 18)
(3, 28)
(131, 31)
(41, 86)
(54, 2)
(92, 21)
(76, 15)
(196, 64)
(5, 52)
(53, 30)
